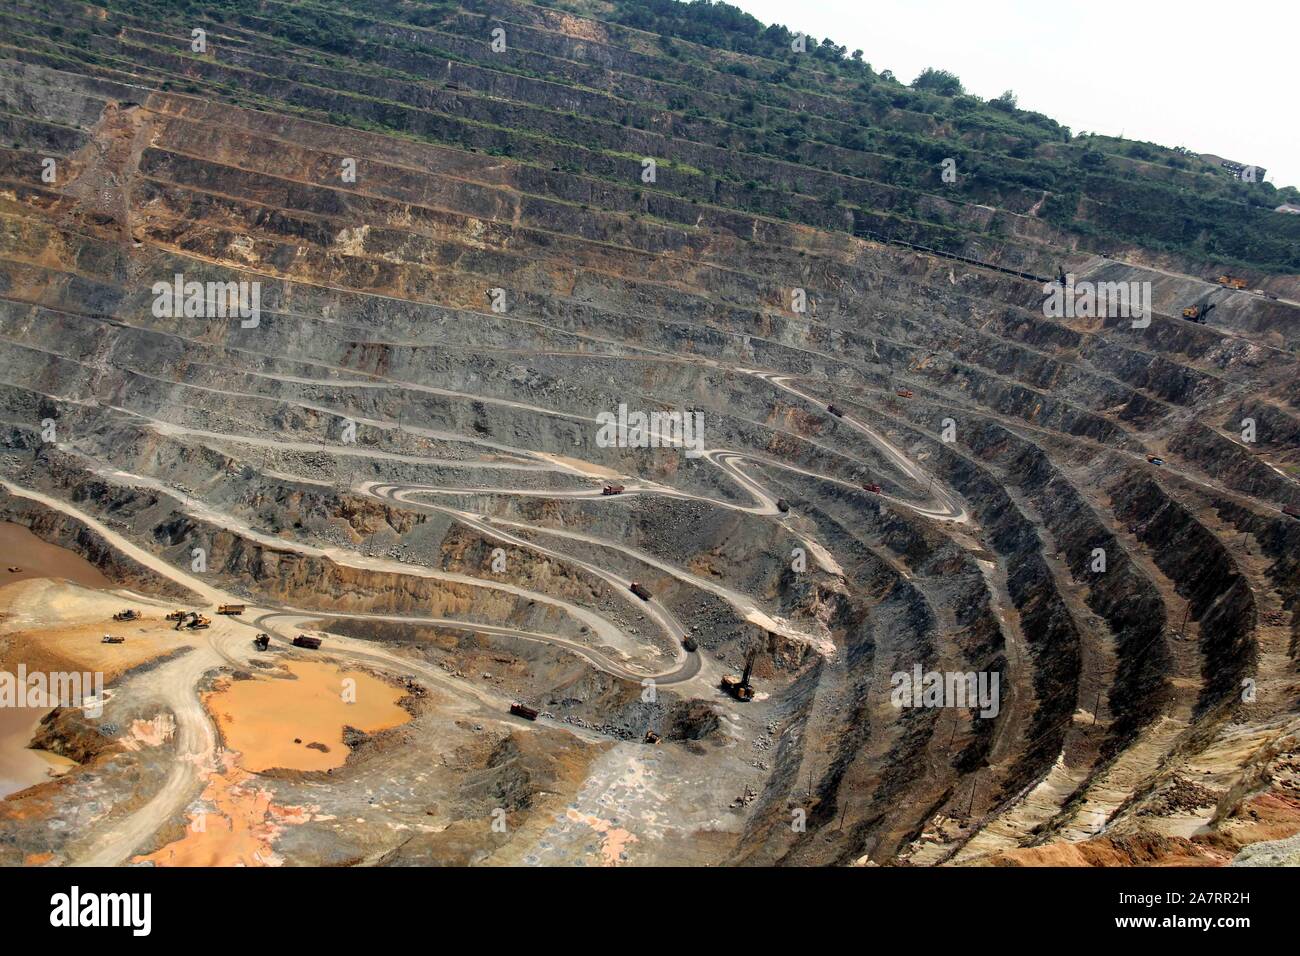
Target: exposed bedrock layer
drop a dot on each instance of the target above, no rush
(404, 450)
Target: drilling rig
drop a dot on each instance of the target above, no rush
(740, 687)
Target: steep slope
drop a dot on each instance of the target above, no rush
(462, 236)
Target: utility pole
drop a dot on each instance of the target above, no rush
(971, 808)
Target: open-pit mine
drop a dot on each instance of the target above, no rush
(501, 433)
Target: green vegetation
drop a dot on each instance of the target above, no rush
(804, 134)
(939, 81)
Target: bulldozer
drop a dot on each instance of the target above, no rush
(130, 614)
(1197, 313)
(740, 687)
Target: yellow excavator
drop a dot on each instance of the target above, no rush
(1197, 313)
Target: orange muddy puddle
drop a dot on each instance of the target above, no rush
(34, 558)
(237, 827)
(298, 724)
(20, 767)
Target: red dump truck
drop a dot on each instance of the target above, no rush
(612, 489)
(1155, 459)
(872, 487)
(302, 640)
(640, 591)
(527, 713)
(903, 392)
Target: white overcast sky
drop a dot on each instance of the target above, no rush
(1215, 77)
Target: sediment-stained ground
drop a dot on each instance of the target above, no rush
(403, 456)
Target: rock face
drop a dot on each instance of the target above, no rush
(352, 317)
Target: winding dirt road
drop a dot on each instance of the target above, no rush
(229, 642)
